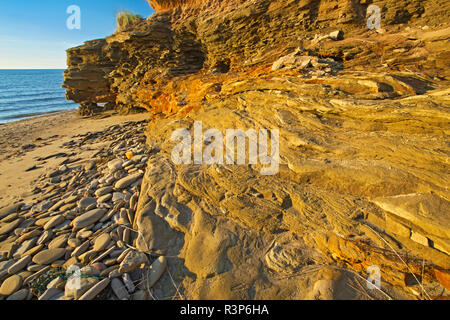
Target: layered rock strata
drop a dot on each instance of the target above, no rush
(363, 122)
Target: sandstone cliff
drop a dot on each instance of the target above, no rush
(363, 123)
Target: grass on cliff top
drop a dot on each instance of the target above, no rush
(125, 19)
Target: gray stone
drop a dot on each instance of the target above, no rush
(53, 222)
(19, 295)
(46, 236)
(19, 265)
(102, 242)
(86, 202)
(48, 256)
(81, 249)
(78, 286)
(88, 218)
(95, 290)
(127, 181)
(102, 191)
(132, 261)
(11, 285)
(119, 289)
(117, 196)
(104, 198)
(7, 228)
(156, 271)
(115, 165)
(6, 211)
(128, 283)
(49, 293)
(58, 242)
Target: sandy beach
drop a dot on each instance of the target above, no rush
(24, 142)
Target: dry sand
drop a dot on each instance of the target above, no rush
(47, 134)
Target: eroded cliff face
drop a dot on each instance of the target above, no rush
(363, 123)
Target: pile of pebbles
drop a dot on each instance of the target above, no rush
(81, 220)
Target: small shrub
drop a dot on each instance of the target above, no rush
(125, 19)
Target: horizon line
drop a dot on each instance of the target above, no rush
(33, 68)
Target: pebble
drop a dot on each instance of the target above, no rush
(95, 290)
(19, 295)
(117, 196)
(88, 218)
(132, 261)
(24, 247)
(108, 270)
(81, 249)
(128, 283)
(73, 242)
(58, 242)
(53, 173)
(104, 198)
(119, 289)
(127, 181)
(78, 286)
(46, 236)
(41, 222)
(59, 296)
(37, 274)
(86, 202)
(99, 266)
(55, 283)
(123, 255)
(115, 165)
(11, 217)
(156, 271)
(49, 293)
(18, 231)
(33, 251)
(11, 285)
(104, 254)
(7, 228)
(102, 242)
(92, 206)
(19, 265)
(63, 226)
(97, 227)
(84, 234)
(70, 262)
(89, 166)
(126, 235)
(90, 270)
(140, 295)
(53, 222)
(48, 256)
(10, 209)
(102, 191)
(44, 206)
(35, 268)
(128, 163)
(29, 235)
(71, 199)
(93, 185)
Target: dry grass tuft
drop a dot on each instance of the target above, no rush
(126, 19)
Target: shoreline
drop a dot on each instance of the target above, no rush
(25, 144)
(34, 115)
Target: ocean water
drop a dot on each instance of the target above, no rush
(29, 93)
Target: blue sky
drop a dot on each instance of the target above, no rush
(34, 35)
